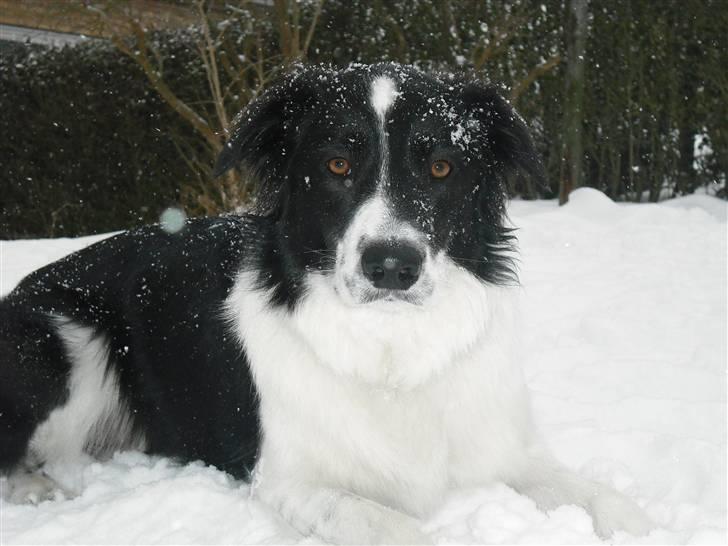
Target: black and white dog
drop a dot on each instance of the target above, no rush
(352, 344)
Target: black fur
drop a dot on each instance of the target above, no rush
(158, 297)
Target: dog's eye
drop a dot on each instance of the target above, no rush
(440, 168)
(339, 165)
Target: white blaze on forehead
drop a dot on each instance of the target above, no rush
(383, 94)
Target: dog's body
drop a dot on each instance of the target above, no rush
(353, 346)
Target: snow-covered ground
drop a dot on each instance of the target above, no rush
(625, 344)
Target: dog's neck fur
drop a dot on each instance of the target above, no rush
(280, 276)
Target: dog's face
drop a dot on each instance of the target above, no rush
(382, 178)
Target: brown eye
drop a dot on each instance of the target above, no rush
(339, 165)
(440, 168)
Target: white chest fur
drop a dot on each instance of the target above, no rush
(394, 406)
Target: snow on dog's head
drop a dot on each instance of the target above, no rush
(386, 185)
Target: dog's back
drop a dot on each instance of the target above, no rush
(123, 344)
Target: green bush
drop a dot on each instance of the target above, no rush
(89, 146)
(86, 144)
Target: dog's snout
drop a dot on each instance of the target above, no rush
(395, 266)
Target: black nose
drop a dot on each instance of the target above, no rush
(391, 265)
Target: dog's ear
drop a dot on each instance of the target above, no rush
(257, 130)
(505, 129)
(259, 137)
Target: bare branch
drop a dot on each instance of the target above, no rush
(284, 27)
(535, 73)
(505, 31)
(208, 52)
(296, 23)
(140, 55)
(312, 27)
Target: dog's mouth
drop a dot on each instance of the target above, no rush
(358, 292)
(390, 296)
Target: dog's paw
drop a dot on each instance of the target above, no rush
(33, 488)
(400, 533)
(611, 511)
(403, 530)
(336, 516)
(375, 525)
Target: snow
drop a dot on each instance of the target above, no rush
(625, 352)
(172, 219)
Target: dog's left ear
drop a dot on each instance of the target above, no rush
(506, 130)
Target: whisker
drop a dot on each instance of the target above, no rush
(480, 260)
(322, 251)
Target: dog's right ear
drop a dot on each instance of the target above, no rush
(259, 129)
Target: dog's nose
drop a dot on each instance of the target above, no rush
(391, 265)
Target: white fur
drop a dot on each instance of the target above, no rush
(396, 344)
(392, 405)
(93, 419)
(383, 94)
(371, 412)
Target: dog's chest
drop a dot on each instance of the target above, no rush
(386, 444)
(323, 422)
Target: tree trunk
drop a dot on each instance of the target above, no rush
(576, 33)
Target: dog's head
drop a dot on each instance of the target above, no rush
(382, 178)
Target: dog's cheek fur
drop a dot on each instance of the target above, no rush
(406, 344)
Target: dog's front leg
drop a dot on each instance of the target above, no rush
(340, 517)
(550, 485)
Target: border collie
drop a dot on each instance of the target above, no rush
(350, 345)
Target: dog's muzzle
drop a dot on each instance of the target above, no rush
(391, 265)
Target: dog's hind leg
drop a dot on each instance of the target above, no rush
(551, 485)
(34, 371)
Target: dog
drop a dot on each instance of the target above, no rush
(349, 347)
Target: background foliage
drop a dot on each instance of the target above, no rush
(94, 139)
